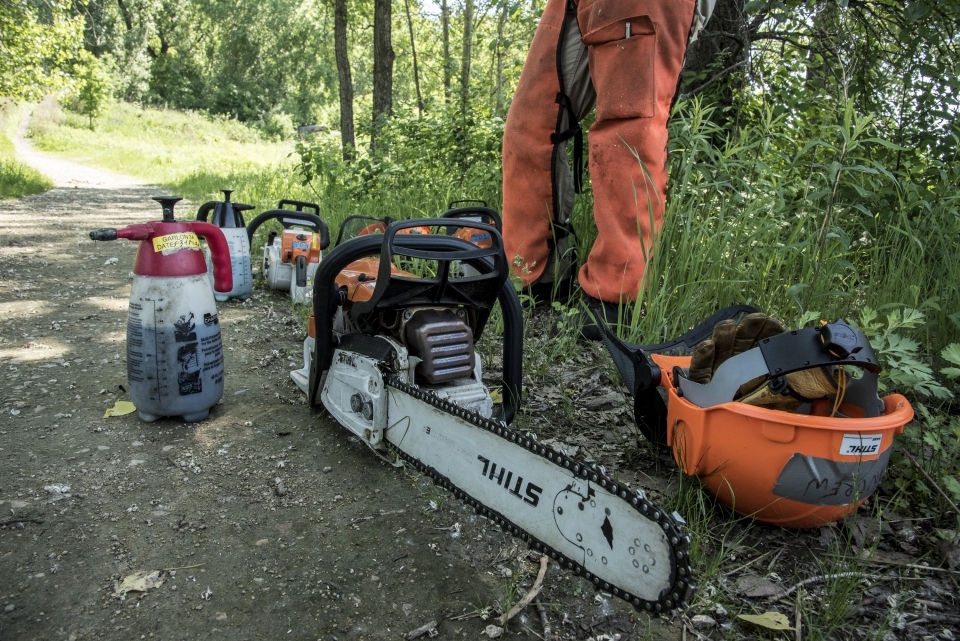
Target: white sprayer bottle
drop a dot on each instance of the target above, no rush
(228, 217)
(174, 348)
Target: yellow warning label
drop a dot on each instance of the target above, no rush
(176, 242)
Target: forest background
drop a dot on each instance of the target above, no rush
(813, 145)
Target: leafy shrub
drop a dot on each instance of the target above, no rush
(278, 125)
(419, 165)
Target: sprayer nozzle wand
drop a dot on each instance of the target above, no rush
(103, 234)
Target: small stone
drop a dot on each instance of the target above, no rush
(9, 608)
(327, 469)
(506, 572)
(720, 611)
(703, 621)
(278, 488)
(493, 631)
(221, 616)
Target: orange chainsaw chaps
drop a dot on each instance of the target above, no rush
(635, 50)
(767, 444)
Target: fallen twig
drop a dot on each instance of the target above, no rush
(912, 566)
(931, 481)
(15, 521)
(797, 618)
(402, 556)
(547, 630)
(422, 630)
(186, 567)
(464, 617)
(749, 563)
(821, 579)
(531, 595)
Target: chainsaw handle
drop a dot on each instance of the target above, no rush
(288, 218)
(487, 216)
(327, 299)
(300, 205)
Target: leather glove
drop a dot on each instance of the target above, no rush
(730, 339)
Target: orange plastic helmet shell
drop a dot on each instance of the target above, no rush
(786, 469)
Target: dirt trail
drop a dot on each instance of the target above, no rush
(64, 173)
(265, 521)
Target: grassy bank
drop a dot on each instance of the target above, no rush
(191, 154)
(16, 179)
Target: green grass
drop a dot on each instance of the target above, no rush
(188, 152)
(16, 179)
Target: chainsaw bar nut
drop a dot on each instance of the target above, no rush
(361, 406)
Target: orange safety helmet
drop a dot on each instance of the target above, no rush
(794, 469)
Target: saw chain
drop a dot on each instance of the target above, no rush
(675, 595)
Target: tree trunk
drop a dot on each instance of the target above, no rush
(465, 59)
(445, 23)
(500, 24)
(382, 65)
(347, 140)
(416, 67)
(723, 44)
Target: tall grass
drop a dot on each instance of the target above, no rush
(796, 226)
(16, 178)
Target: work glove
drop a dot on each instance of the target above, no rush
(730, 339)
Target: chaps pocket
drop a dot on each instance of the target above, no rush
(622, 68)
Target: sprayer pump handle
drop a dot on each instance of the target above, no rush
(219, 254)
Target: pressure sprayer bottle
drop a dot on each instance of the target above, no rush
(174, 350)
(228, 216)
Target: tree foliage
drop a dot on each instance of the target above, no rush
(38, 46)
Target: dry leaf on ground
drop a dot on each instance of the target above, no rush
(120, 408)
(768, 620)
(139, 582)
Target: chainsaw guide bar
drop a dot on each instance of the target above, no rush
(649, 557)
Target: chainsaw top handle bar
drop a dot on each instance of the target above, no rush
(481, 211)
(327, 299)
(289, 218)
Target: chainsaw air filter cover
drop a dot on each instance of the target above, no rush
(783, 468)
(443, 341)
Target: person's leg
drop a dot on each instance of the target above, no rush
(554, 93)
(636, 50)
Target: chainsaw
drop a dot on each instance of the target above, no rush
(397, 316)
